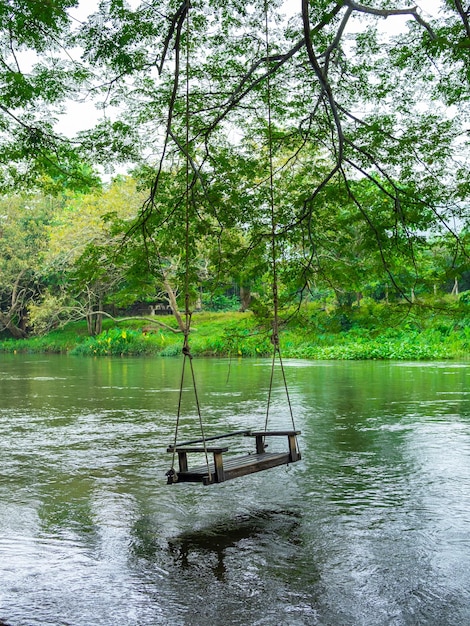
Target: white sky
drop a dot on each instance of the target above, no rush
(429, 8)
(80, 116)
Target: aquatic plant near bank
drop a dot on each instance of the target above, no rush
(352, 335)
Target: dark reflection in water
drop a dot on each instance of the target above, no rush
(370, 529)
(195, 550)
(238, 570)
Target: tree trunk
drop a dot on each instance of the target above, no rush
(173, 304)
(99, 318)
(94, 320)
(245, 298)
(17, 299)
(17, 333)
(89, 324)
(13, 329)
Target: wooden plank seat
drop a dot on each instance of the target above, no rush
(224, 468)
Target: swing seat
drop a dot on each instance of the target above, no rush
(223, 468)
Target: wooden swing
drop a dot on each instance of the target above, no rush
(222, 467)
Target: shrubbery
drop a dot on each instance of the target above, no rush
(369, 332)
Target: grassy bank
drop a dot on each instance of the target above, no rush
(369, 332)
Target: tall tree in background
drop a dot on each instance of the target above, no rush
(24, 222)
(80, 266)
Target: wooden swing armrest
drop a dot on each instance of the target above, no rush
(185, 444)
(291, 437)
(215, 450)
(272, 433)
(185, 449)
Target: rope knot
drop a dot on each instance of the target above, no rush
(171, 477)
(186, 351)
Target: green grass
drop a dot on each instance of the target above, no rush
(372, 331)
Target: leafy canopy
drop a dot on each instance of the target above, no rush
(366, 132)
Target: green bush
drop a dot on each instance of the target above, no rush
(172, 350)
(315, 332)
(464, 297)
(115, 342)
(220, 302)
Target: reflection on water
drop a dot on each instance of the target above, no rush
(211, 547)
(370, 528)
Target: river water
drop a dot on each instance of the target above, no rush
(372, 527)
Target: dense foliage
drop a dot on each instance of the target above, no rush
(373, 331)
(318, 145)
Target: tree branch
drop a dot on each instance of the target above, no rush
(175, 24)
(126, 319)
(412, 11)
(464, 15)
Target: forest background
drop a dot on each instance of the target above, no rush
(231, 144)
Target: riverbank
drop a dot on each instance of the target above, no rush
(367, 332)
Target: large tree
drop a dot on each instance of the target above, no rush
(80, 267)
(24, 222)
(195, 79)
(225, 100)
(40, 73)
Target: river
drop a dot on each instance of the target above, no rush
(371, 527)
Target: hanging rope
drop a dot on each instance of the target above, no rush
(187, 356)
(272, 206)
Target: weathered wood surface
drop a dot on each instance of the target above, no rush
(234, 467)
(261, 435)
